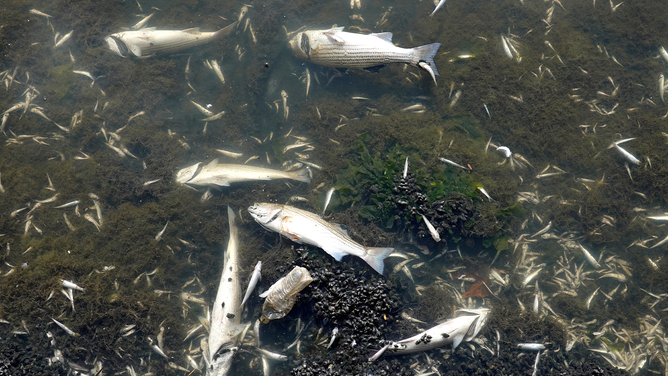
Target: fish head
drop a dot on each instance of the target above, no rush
(117, 46)
(300, 45)
(222, 363)
(185, 174)
(265, 213)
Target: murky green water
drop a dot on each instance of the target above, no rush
(577, 82)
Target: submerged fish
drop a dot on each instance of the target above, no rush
(305, 227)
(149, 41)
(219, 174)
(336, 48)
(225, 318)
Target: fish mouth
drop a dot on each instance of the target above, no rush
(296, 46)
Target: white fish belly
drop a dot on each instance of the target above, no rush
(311, 229)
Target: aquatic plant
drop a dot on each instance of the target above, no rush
(446, 197)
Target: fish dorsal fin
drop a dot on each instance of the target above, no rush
(386, 36)
(213, 163)
(192, 30)
(342, 228)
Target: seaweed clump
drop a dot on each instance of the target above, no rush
(442, 195)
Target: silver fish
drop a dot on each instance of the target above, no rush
(149, 41)
(225, 318)
(305, 227)
(336, 48)
(464, 327)
(215, 174)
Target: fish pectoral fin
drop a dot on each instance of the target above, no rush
(220, 181)
(386, 36)
(191, 30)
(457, 339)
(264, 294)
(135, 50)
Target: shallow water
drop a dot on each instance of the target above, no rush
(578, 82)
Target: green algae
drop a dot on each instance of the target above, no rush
(61, 81)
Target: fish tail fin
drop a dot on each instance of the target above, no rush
(375, 257)
(303, 175)
(426, 53)
(226, 30)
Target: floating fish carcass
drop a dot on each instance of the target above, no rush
(225, 318)
(150, 41)
(282, 295)
(302, 226)
(465, 326)
(336, 48)
(220, 174)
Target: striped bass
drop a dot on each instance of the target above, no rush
(336, 48)
(149, 41)
(225, 318)
(224, 174)
(305, 227)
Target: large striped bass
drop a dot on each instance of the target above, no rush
(305, 227)
(219, 174)
(225, 316)
(336, 48)
(149, 41)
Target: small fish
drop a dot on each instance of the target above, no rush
(305, 227)
(440, 4)
(531, 346)
(328, 198)
(453, 163)
(589, 257)
(66, 329)
(202, 109)
(336, 48)
(255, 278)
(159, 236)
(229, 153)
(39, 13)
(217, 70)
(143, 22)
(64, 39)
(432, 230)
(405, 168)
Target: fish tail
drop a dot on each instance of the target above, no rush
(302, 175)
(375, 257)
(225, 31)
(426, 53)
